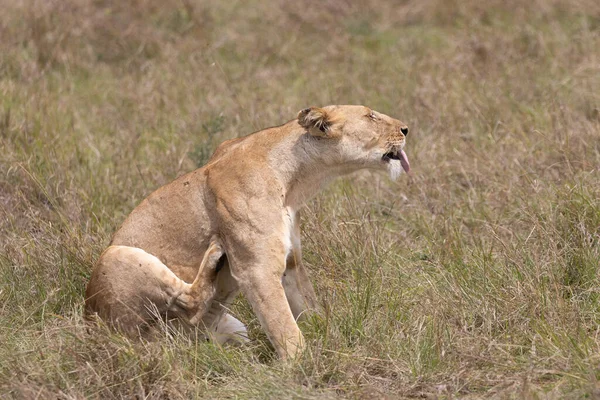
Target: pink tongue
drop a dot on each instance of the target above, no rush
(404, 161)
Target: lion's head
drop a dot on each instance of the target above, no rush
(358, 135)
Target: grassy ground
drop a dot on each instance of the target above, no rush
(477, 277)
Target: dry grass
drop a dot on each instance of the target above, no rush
(476, 278)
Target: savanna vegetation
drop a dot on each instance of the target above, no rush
(475, 277)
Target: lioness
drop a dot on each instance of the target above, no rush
(246, 199)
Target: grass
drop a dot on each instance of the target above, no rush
(476, 277)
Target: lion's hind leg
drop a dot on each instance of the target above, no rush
(130, 289)
(230, 330)
(198, 295)
(125, 282)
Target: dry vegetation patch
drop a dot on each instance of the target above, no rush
(475, 277)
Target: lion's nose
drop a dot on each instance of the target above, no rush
(404, 130)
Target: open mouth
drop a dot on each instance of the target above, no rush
(399, 155)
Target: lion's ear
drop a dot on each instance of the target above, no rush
(316, 121)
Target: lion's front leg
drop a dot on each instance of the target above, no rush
(298, 288)
(259, 276)
(296, 283)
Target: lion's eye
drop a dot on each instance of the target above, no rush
(372, 116)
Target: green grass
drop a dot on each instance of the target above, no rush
(476, 277)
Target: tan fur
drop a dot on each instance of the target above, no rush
(130, 288)
(246, 199)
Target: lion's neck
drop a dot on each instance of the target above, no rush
(302, 170)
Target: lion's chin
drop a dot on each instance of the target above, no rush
(394, 169)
